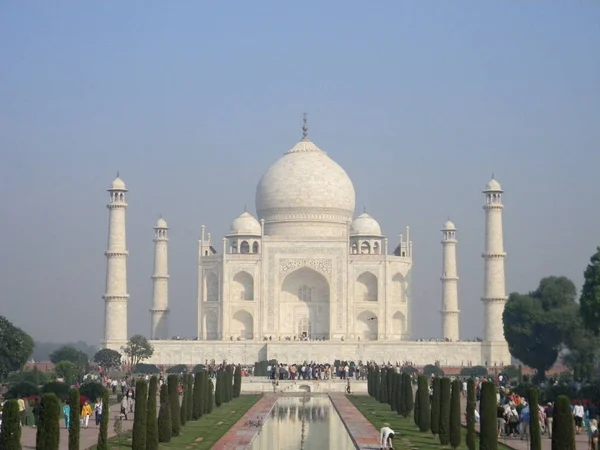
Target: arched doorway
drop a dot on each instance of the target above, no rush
(304, 305)
(398, 288)
(366, 326)
(366, 287)
(211, 325)
(243, 287)
(242, 325)
(399, 324)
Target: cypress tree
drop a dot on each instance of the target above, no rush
(471, 405)
(173, 386)
(424, 411)
(369, 378)
(399, 393)
(383, 387)
(218, 390)
(417, 413)
(190, 399)
(488, 431)
(184, 397)
(563, 428)
(151, 420)
(393, 391)
(435, 407)
(48, 430)
(237, 382)
(138, 434)
(103, 431)
(210, 397)
(197, 403)
(204, 384)
(164, 416)
(535, 430)
(75, 416)
(390, 383)
(455, 420)
(376, 383)
(444, 433)
(408, 396)
(10, 433)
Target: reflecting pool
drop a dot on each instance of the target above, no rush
(303, 423)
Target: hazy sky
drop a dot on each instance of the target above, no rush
(192, 101)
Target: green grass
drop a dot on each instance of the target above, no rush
(409, 436)
(201, 434)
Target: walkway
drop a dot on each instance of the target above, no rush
(241, 434)
(88, 437)
(363, 433)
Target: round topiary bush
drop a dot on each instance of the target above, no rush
(61, 390)
(432, 369)
(23, 388)
(92, 390)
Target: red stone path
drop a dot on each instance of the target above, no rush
(240, 436)
(363, 433)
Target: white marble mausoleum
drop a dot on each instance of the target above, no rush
(306, 279)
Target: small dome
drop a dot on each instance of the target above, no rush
(161, 223)
(493, 185)
(246, 225)
(365, 225)
(449, 225)
(118, 184)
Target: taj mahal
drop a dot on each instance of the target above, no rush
(306, 279)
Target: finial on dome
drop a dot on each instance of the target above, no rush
(364, 209)
(493, 177)
(304, 128)
(117, 174)
(245, 208)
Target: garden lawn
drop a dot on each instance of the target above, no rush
(201, 434)
(408, 435)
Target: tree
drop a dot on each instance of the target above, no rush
(474, 371)
(173, 385)
(184, 398)
(424, 411)
(138, 349)
(68, 353)
(190, 400)
(393, 394)
(400, 404)
(48, 430)
(237, 381)
(432, 369)
(210, 398)
(10, 432)
(435, 407)
(417, 413)
(535, 430)
(103, 431)
(218, 389)
(537, 324)
(563, 428)
(178, 369)
(488, 431)
(92, 390)
(455, 422)
(164, 416)
(138, 434)
(151, 421)
(444, 411)
(68, 371)
(590, 295)
(408, 395)
(16, 347)
(108, 359)
(75, 415)
(471, 405)
(197, 397)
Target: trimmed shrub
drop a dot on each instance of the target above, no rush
(48, 430)
(237, 381)
(563, 427)
(444, 433)
(432, 369)
(75, 414)
(471, 405)
(177, 369)
(210, 397)
(92, 390)
(474, 371)
(488, 431)
(145, 369)
(393, 391)
(151, 420)
(103, 431)
(190, 400)
(399, 393)
(164, 416)
(173, 385)
(455, 419)
(218, 389)
(408, 395)
(417, 412)
(535, 430)
(389, 385)
(10, 433)
(138, 433)
(61, 390)
(383, 396)
(435, 407)
(184, 399)
(22, 389)
(197, 400)
(424, 410)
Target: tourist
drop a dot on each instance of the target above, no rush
(22, 414)
(386, 436)
(86, 412)
(500, 419)
(98, 411)
(579, 414)
(525, 416)
(124, 405)
(593, 434)
(67, 414)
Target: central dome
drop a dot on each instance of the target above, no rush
(305, 193)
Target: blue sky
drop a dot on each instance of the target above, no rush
(192, 101)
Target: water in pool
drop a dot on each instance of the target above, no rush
(303, 423)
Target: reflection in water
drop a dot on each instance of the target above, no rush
(303, 423)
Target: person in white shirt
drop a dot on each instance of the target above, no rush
(386, 435)
(579, 414)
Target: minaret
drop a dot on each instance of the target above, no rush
(494, 285)
(450, 327)
(160, 280)
(116, 297)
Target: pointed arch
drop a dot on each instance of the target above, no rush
(366, 289)
(399, 287)
(367, 326)
(211, 325)
(243, 324)
(255, 247)
(365, 248)
(212, 287)
(243, 287)
(244, 247)
(399, 323)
